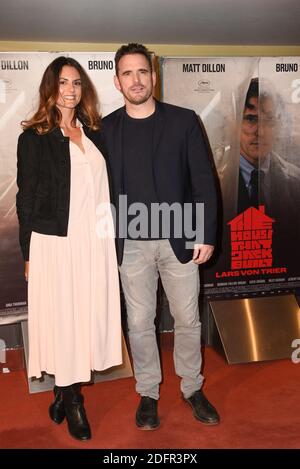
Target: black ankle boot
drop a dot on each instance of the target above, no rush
(78, 424)
(57, 408)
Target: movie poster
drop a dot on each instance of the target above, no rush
(251, 112)
(20, 76)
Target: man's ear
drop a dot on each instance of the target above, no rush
(117, 83)
(154, 78)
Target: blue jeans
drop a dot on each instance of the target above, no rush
(143, 261)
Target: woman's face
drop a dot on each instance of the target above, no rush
(69, 91)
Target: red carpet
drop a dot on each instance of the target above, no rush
(258, 403)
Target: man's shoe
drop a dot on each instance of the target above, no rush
(146, 417)
(203, 410)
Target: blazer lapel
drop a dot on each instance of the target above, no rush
(159, 123)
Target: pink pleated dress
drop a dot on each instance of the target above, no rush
(73, 288)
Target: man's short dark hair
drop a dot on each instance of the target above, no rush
(262, 89)
(253, 92)
(130, 49)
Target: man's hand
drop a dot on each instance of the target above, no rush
(202, 253)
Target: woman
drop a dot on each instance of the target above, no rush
(73, 289)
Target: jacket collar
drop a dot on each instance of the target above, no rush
(159, 124)
(58, 133)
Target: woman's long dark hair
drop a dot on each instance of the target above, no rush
(48, 116)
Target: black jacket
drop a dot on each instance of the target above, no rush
(43, 179)
(182, 169)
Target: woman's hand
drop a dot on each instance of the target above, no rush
(26, 271)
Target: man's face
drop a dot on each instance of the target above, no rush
(135, 80)
(258, 130)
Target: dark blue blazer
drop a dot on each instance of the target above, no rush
(182, 167)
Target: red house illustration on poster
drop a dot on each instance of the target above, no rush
(251, 239)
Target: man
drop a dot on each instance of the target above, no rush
(265, 177)
(157, 154)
